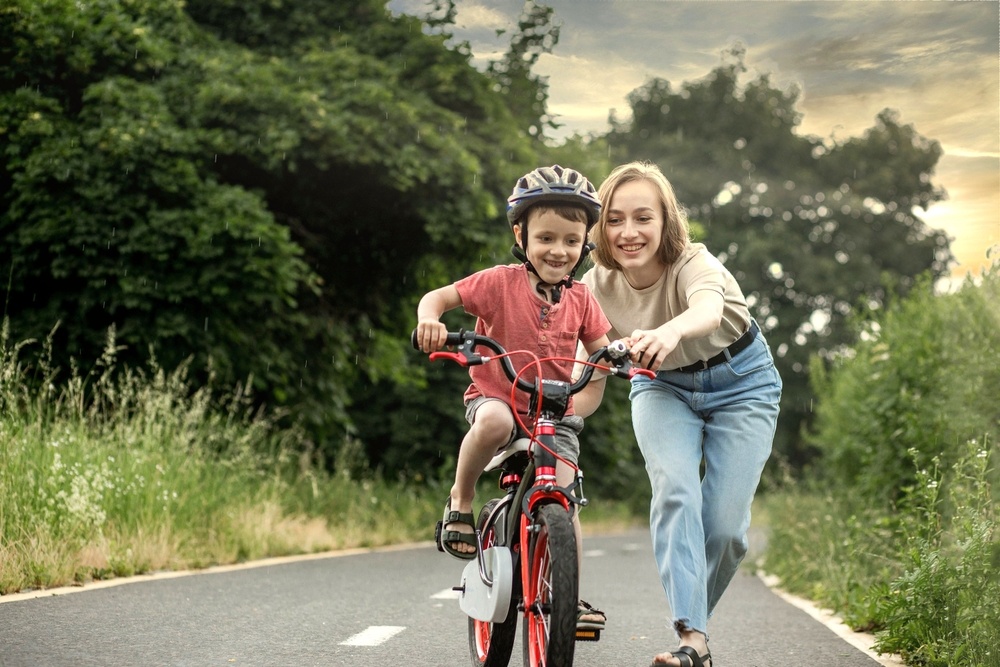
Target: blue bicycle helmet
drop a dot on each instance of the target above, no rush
(552, 185)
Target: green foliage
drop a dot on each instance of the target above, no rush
(258, 187)
(922, 378)
(923, 579)
(896, 527)
(945, 607)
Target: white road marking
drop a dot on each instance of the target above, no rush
(373, 636)
(447, 594)
(594, 553)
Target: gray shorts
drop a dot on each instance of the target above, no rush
(567, 441)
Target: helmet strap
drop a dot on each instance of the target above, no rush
(520, 254)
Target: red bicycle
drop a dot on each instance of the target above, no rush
(526, 562)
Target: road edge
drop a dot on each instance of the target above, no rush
(214, 569)
(859, 640)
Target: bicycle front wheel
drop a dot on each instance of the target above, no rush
(551, 602)
(492, 643)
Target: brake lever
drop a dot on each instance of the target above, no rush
(452, 356)
(462, 359)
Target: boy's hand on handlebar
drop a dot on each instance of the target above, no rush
(431, 335)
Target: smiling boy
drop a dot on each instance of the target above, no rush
(535, 306)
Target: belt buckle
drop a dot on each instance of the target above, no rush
(701, 365)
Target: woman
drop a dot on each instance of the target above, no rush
(706, 423)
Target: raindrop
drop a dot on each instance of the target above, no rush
(206, 324)
(136, 54)
(216, 157)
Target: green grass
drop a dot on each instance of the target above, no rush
(922, 578)
(115, 472)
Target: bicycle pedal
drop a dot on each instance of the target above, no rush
(588, 635)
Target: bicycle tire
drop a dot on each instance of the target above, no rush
(491, 644)
(549, 634)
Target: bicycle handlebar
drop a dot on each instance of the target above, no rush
(616, 353)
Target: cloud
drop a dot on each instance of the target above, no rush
(474, 16)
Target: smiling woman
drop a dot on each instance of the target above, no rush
(713, 404)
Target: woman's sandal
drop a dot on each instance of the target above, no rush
(444, 538)
(688, 657)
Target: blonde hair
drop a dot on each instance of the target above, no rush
(675, 236)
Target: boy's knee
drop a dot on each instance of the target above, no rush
(495, 413)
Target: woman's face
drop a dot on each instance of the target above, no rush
(634, 226)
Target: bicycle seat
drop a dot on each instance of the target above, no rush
(519, 445)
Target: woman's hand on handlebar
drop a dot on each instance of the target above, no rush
(430, 335)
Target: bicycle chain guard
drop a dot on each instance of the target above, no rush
(488, 602)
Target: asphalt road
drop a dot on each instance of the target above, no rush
(390, 607)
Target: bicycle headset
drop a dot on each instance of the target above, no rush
(551, 185)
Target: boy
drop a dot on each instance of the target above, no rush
(533, 306)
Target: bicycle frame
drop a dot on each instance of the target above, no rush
(530, 528)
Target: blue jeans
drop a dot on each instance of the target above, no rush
(724, 417)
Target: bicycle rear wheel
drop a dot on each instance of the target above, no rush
(492, 643)
(550, 604)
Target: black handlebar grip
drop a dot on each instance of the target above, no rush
(454, 338)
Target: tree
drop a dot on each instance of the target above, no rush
(261, 185)
(811, 229)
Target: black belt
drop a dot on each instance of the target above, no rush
(741, 344)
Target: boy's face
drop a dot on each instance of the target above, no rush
(554, 243)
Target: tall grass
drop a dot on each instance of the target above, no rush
(923, 579)
(117, 471)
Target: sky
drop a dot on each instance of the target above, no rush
(935, 62)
